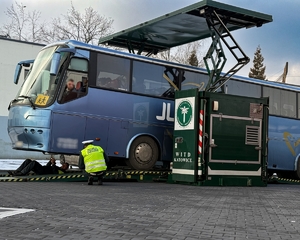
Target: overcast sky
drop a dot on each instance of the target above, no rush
(279, 40)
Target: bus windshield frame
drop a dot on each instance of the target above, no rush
(40, 87)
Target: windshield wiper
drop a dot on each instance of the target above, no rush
(30, 100)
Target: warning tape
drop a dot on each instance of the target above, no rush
(44, 178)
(283, 180)
(134, 173)
(288, 180)
(11, 180)
(116, 174)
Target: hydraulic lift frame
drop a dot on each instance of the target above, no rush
(195, 22)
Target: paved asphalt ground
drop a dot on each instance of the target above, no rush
(132, 210)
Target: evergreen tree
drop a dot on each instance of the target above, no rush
(258, 70)
(193, 60)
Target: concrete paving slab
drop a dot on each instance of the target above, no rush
(132, 210)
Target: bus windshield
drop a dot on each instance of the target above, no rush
(39, 88)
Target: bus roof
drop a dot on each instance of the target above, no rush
(183, 26)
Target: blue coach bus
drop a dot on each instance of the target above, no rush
(124, 100)
(128, 104)
(127, 101)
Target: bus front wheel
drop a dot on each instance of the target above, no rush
(143, 153)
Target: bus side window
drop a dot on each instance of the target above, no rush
(82, 87)
(194, 80)
(108, 82)
(102, 82)
(148, 79)
(138, 86)
(69, 92)
(78, 86)
(114, 83)
(113, 72)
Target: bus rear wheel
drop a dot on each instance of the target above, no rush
(143, 153)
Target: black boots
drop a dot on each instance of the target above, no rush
(15, 173)
(100, 181)
(18, 173)
(90, 180)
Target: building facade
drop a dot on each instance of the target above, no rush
(12, 52)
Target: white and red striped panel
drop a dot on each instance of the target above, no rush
(200, 132)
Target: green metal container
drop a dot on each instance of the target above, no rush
(220, 139)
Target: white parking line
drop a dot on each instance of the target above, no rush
(7, 212)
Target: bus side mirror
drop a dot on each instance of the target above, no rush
(17, 73)
(19, 68)
(55, 63)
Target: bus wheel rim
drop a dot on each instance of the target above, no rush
(143, 153)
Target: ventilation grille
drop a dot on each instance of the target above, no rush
(252, 135)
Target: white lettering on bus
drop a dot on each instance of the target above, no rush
(166, 111)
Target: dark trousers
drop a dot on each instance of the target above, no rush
(29, 165)
(96, 174)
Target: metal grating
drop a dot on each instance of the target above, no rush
(252, 135)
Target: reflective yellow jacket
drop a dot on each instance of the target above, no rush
(94, 160)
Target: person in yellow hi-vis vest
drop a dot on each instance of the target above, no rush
(93, 159)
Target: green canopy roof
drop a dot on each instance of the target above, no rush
(183, 26)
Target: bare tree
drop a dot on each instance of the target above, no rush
(22, 25)
(18, 19)
(182, 54)
(35, 33)
(5, 31)
(87, 27)
(165, 55)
